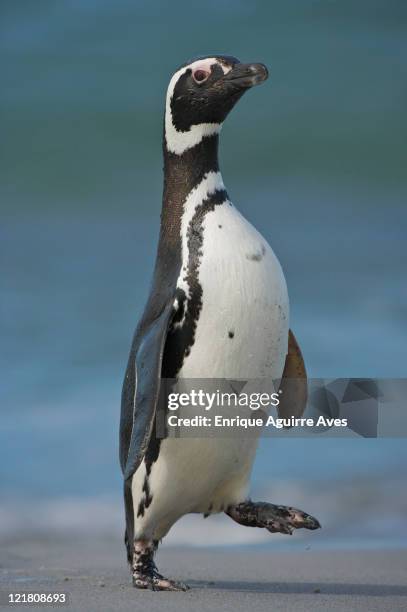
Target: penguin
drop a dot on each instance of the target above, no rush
(218, 308)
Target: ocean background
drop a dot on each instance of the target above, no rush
(315, 158)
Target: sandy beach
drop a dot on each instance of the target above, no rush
(95, 577)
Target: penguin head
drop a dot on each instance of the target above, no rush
(201, 94)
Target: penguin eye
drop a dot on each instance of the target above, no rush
(200, 75)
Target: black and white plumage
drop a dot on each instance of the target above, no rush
(218, 308)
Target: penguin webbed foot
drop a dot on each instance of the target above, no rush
(274, 518)
(145, 574)
(157, 582)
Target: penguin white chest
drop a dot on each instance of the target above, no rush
(242, 328)
(241, 332)
(234, 285)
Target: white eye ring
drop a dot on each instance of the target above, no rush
(200, 75)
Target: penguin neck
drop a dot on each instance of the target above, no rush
(182, 173)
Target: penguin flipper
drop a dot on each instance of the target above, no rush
(141, 390)
(293, 387)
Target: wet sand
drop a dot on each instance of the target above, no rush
(94, 575)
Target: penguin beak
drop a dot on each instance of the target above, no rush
(244, 76)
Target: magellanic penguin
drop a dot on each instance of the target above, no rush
(218, 308)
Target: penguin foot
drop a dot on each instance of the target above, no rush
(276, 519)
(145, 574)
(157, 582)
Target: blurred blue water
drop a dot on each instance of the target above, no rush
(315, 159)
